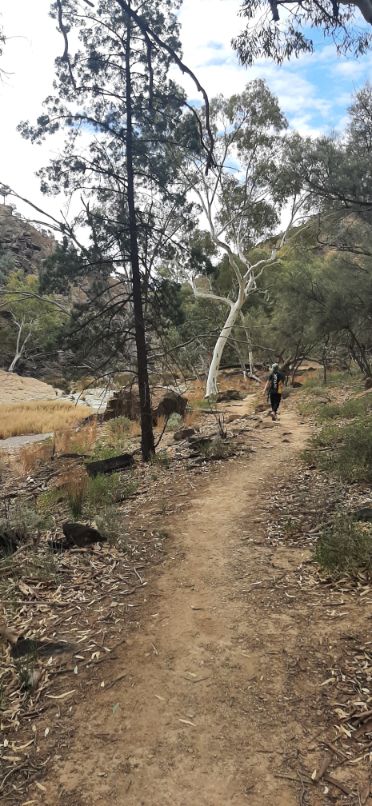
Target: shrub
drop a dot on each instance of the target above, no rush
(217, 449)
(345, 546)
(76, 441)
(31, 456)
(101, 491)
(76, 490)
(19, 525)
(160, 458)
(355, 407)
(119, 426)
(174, 422)
(349, 453)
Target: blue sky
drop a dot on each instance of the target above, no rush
(314, 91)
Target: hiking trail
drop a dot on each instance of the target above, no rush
(207, 711)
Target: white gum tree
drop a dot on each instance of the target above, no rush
(241, 198)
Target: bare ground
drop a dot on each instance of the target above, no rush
(219, 697)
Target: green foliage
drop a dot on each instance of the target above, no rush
(40, 319)
(161, 458)
(345, 546)
(174, 422)
(118, 427)
(355, 407)
(217, 449)
(76, 495)
(102, 490)
(273, 34)
(24, 521)
(48, 501)
(108, 525)
(88, 497)
(346, 450)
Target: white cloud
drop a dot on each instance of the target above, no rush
(32, 46)
(208, 27)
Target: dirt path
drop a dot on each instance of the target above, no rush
(208, 709)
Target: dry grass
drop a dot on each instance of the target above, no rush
(39, 417)
(191, 418)
(81, 441)
(32, 456)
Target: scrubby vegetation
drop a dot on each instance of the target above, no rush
(345, 546)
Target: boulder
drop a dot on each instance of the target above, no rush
(368, 383)
(229, 394)
(183, 433)
(363, 514)
(81, 535)
(9, 540)
(171, 403)
(124, 403)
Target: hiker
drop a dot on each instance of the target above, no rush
(274, 388)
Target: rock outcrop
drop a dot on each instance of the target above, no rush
(26, 246)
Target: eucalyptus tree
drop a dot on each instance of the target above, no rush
(336, 171)
(279, 29)
(119, 114)
(241, 199)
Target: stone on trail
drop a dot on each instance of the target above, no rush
(81, 535)
(363, 514)
(229, 394)
(183, 433)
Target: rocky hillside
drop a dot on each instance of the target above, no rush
(25, 245)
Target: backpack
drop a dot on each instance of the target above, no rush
(276, 382)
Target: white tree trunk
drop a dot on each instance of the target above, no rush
(220, 346)
(20, 346)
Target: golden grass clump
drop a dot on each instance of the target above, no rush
(81, 441)
(39, 417)
(32, 456)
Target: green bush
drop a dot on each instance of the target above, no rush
(102, 490)
(217, 449)
(174, 422)
(347, 450)
(345, 546)
(23, 522)
(104, 450)
(160, 458)
(355, 407)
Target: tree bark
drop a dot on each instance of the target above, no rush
(147, 434)
(220, 346)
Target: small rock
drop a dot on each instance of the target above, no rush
(80, 534)
(183, 433)
(229, 394)
(363, 514)
(232, 417)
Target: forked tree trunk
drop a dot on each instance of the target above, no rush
(20, 346)
(220, 346)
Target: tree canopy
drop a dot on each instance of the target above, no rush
(279, 29)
